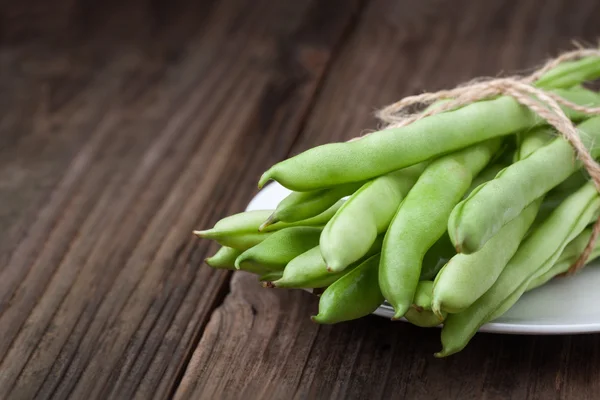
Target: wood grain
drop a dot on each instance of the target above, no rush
(116, 144)
(261, 344)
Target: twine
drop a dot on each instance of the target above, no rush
(541, 102)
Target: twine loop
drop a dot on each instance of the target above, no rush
(521, 88)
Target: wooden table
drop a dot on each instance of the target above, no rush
(127, 124)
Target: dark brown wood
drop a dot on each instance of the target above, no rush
(126, 125)
(260, 343)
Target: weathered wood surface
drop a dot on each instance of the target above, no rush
(125, 125)
(113, 150)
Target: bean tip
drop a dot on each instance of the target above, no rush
(268, 284)
(448, 350)
(266, 177)
(279, 283)
(275, 284)
(399, 312)
(270, 221)
(436, 307)
(207, 234)
(335, 266)
(238, 263)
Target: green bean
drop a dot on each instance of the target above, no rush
(392, 149)
(224, 258)
(241, 231)
(529, 142)
(353, 229)
(255, 268)
(420, 313)
(236, 224)
(421, 219)
(353, 296)
(535, 256)
(242, 241)
(443, 250)
(571, 73)
(317, 220)
(467, 277)
(280, 248)
(302, 205)
(250, 221)
(567, 258)
(309, 270)
(485, 211)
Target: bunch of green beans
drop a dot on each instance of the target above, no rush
(448, 220)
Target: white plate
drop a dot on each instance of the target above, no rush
(564, 305)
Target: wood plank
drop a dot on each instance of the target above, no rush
(261, 343)
(111, 160)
